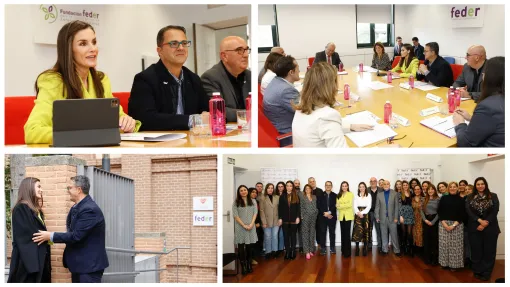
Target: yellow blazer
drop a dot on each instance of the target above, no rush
(345, 207)
(406, 72)
(38, 128)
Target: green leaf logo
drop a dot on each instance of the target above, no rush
(50, 12)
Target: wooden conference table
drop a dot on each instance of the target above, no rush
(189, 141)
(406, 103)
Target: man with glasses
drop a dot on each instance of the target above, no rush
(85, 252)
(470, 80)
(374, 191)
(230, 77)
(166, 94)
(435, 70)
(328, 55)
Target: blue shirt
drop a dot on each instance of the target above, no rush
(387, 198)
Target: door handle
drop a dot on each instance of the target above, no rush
(227, 215)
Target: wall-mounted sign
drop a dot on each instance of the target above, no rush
(203, 218)
(203, 203)
(466, 16)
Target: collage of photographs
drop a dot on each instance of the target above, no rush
(253, 142)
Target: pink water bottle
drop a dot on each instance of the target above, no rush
(457, 97)
(217, 115)
(347, 91)
(389, 77)
(387, 112)
(340, 67)
(411, 81)
(360, 67)
(451, 100)
(248, 109)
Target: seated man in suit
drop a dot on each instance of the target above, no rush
(435, 70)
(278, 50)
(280, 93)
(328, 55)
(470, 80)
(418, 49)
(167, 93)
(387, 214)
(85, 253)
(398, 46)
(230, 77)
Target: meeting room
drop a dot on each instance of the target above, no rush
(166, 75)
(393, 76)
(317, 218)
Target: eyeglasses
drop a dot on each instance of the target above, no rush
(240, 50)
(390, 140)
(176, 44)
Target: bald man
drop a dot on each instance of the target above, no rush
(387, 213)
(278, 50)
(230, 77)
(470, 80)
(328, 55)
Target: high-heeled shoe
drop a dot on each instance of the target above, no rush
(308, 256)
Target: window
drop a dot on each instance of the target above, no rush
(268, 28)
(374, 23)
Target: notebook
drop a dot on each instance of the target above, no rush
(441, 125)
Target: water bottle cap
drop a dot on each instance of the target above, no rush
(451, 87)
(387, 102)
(216, 94)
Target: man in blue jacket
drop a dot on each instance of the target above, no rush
(85, 253)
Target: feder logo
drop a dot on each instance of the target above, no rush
(464, 13)
(50, 12)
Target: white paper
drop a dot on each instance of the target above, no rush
(393, 77)
(376, 85)
(426, 87)
(367, 69)
(420, 83)
(244, 137)
(364, 117)
(441, 125)
(342, 73)
(302, 76)
(151, 137)
(434, 98)
(379, 133)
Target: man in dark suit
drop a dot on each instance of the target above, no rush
(435, 70)
(374, 191)
(418, 49)
(398, 46)
(327, 218)
(230, 77)
(328, 55)
(85, 253)
(165, 95)
(470, 80)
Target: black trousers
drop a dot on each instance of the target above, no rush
(94, 277)
(289, 236)
(318, 233)
(377, 225)
(431, 241)
(345, 234)
(483, 250)
(324, 225)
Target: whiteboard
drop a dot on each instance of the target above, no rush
(421, 174)
(275, 175)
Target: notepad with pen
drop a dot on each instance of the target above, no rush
(441, 125)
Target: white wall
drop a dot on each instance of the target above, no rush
(306, 29)
(129, 31)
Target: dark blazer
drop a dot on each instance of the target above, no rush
(440, 73)
(286, 213)
(85, 238)
(374, 197)
(419, 52)
(29, 261)
(467, 77)
(490, 215)
(154, 97)
(321, 57)
(322, 204)
(487, 125)
(216, 80)
(317, 192)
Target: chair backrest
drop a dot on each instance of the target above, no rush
(123, 100)
(261, 96)
(267, 132)
(450, 60)
(310, 61)
(457, 70)
(17, 111)
(395, 62)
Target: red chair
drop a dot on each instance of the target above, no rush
(268, 135)
(395, 62)
(310, 61)
(261, 97)
(422, 62)
(457, 70)
(123, 100)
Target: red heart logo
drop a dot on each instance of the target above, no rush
(202, 200)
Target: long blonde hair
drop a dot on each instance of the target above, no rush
(319, 88)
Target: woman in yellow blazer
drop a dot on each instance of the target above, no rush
(345, 208)
(408, 64)
(72, 77)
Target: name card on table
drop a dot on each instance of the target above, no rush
(434, 98)
(354, 97)
(405, 86)
(401, 120)
(429, 111)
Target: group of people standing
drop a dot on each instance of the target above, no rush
(453, 225)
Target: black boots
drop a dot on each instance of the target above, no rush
(365, 249)
(287, 254)
(356, 253)
(293, 254)
(244, 268)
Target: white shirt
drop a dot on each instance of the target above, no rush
(362, 202)
(322, 128)
(266, 79)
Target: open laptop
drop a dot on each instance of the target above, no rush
(86, 122)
